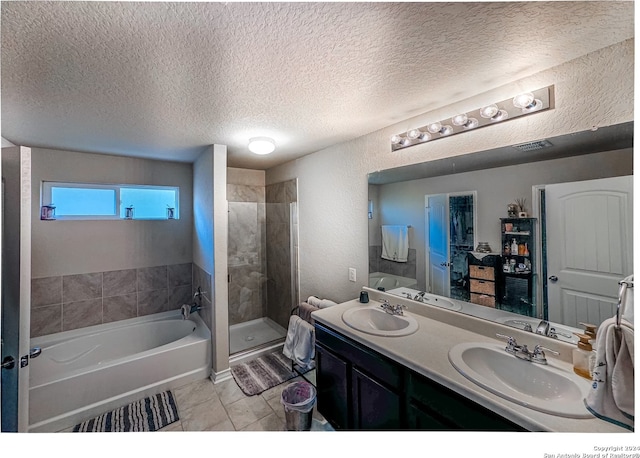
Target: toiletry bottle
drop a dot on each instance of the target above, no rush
(583, 357)
(514, 247)
(526, 249)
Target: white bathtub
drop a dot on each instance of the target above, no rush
(379, 280)
(86, 372)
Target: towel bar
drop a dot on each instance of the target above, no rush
(622, 293)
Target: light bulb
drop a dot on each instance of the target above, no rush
(405, 142)
(424, 136)
(501, 115)
(523, 100)
(395, 139)
(434, 127)
(535, 105)
(471, 123)
(413, 134)
(261, 145)
(459, 120)
(489, 111)
(446, 130)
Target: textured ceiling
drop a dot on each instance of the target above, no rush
(164, 80)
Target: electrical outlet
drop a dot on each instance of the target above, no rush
(352, 274)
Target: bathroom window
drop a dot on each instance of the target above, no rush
(90, 201)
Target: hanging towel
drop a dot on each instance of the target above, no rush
(320, 303)
(305, 312)
(313, 300)
(612, 392)
(395, 243)
(300, 344)
(324, 303)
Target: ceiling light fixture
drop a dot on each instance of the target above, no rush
(512, 108)
(261, 145)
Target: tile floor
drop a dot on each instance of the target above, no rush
(203, 406)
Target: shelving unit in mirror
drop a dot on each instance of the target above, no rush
(518, 266)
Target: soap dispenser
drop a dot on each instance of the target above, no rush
(584, 358)
(590, 330)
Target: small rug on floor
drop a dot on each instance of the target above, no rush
(262, 373)
(149, 414)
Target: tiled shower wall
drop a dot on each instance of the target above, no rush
(246, 249)
(62, 303)
(279, 285)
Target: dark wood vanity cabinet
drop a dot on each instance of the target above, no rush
(360, 389)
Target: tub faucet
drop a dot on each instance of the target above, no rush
(419, 297)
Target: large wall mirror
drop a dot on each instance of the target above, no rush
(447, 228)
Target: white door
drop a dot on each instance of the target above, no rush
(437, 227)
(589, 247)
(16, 287)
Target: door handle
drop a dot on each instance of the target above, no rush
(8, 362)
(553, 278)
(445, 264)
(35, 352)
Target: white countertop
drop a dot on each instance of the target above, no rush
(426, 352)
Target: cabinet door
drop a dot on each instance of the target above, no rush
(374, 405)
(332, 376)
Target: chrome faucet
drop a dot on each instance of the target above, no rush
(523, 352)
(392, 309)
(543, 328)
(419, 297)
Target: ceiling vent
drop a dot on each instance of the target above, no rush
(532, 146)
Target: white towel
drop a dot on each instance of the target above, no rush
(320, 303)
(612, 395)
(313, 300)
(324, 303)
(395, 243)
(300, 344)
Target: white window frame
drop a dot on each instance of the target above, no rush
(46, 198)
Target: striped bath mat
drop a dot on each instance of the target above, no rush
(149, 414)
(262, 373)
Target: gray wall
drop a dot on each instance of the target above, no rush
(77, 247)
(93, 272)
(592, 90)
(403, 203)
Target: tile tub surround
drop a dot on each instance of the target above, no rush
(68, 302)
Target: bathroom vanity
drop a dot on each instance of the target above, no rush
(367, 380)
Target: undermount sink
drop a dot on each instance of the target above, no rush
(374, 320)
(545, 388)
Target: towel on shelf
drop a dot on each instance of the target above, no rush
(612, 392)
(305, 311)
(300, 344)
(395, 243)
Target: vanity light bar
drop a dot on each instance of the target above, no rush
(521, 105)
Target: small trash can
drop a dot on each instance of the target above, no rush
(298, 399)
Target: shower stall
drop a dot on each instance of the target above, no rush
(263, 267)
